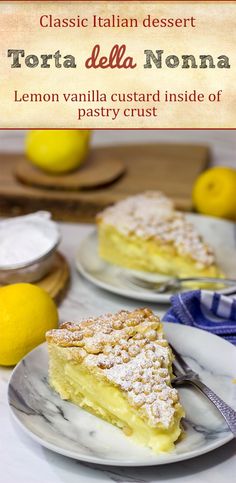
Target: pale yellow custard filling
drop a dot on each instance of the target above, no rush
(145, 232)
(74, 383)
(147, 255)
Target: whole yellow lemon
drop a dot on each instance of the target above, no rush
(27, 312)
(214, 192)
(57, 151)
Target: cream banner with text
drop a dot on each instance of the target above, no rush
(111, 64)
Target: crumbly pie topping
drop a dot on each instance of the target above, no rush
(152, 216)
(130, 350)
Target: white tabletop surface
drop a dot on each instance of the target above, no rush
(24, 461)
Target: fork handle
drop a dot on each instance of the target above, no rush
(227, 412)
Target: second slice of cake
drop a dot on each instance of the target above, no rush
(119, 367)
(145, 232)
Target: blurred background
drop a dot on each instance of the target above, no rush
(221, 143)
(74, 174)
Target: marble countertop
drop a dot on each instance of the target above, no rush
(23, 460)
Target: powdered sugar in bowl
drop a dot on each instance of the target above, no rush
(27, 247)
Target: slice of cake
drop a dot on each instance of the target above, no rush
(145, 232)
(119, 367)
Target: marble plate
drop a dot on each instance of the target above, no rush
(71, 431)
(220, 234)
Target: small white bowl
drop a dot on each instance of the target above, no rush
(36, 266)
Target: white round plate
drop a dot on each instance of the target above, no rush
(220, 234)
(66, 429)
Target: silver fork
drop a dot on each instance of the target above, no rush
(188, 376)
(175, 282)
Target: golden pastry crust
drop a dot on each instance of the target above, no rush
(127, 349)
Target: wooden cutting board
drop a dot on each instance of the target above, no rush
(57, 280)
(98, 170)
(171, 168)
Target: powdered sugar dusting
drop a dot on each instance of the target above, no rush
(151, 215)
(24, 239)
(131, 352)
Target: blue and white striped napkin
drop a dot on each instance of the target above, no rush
(205, 310)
